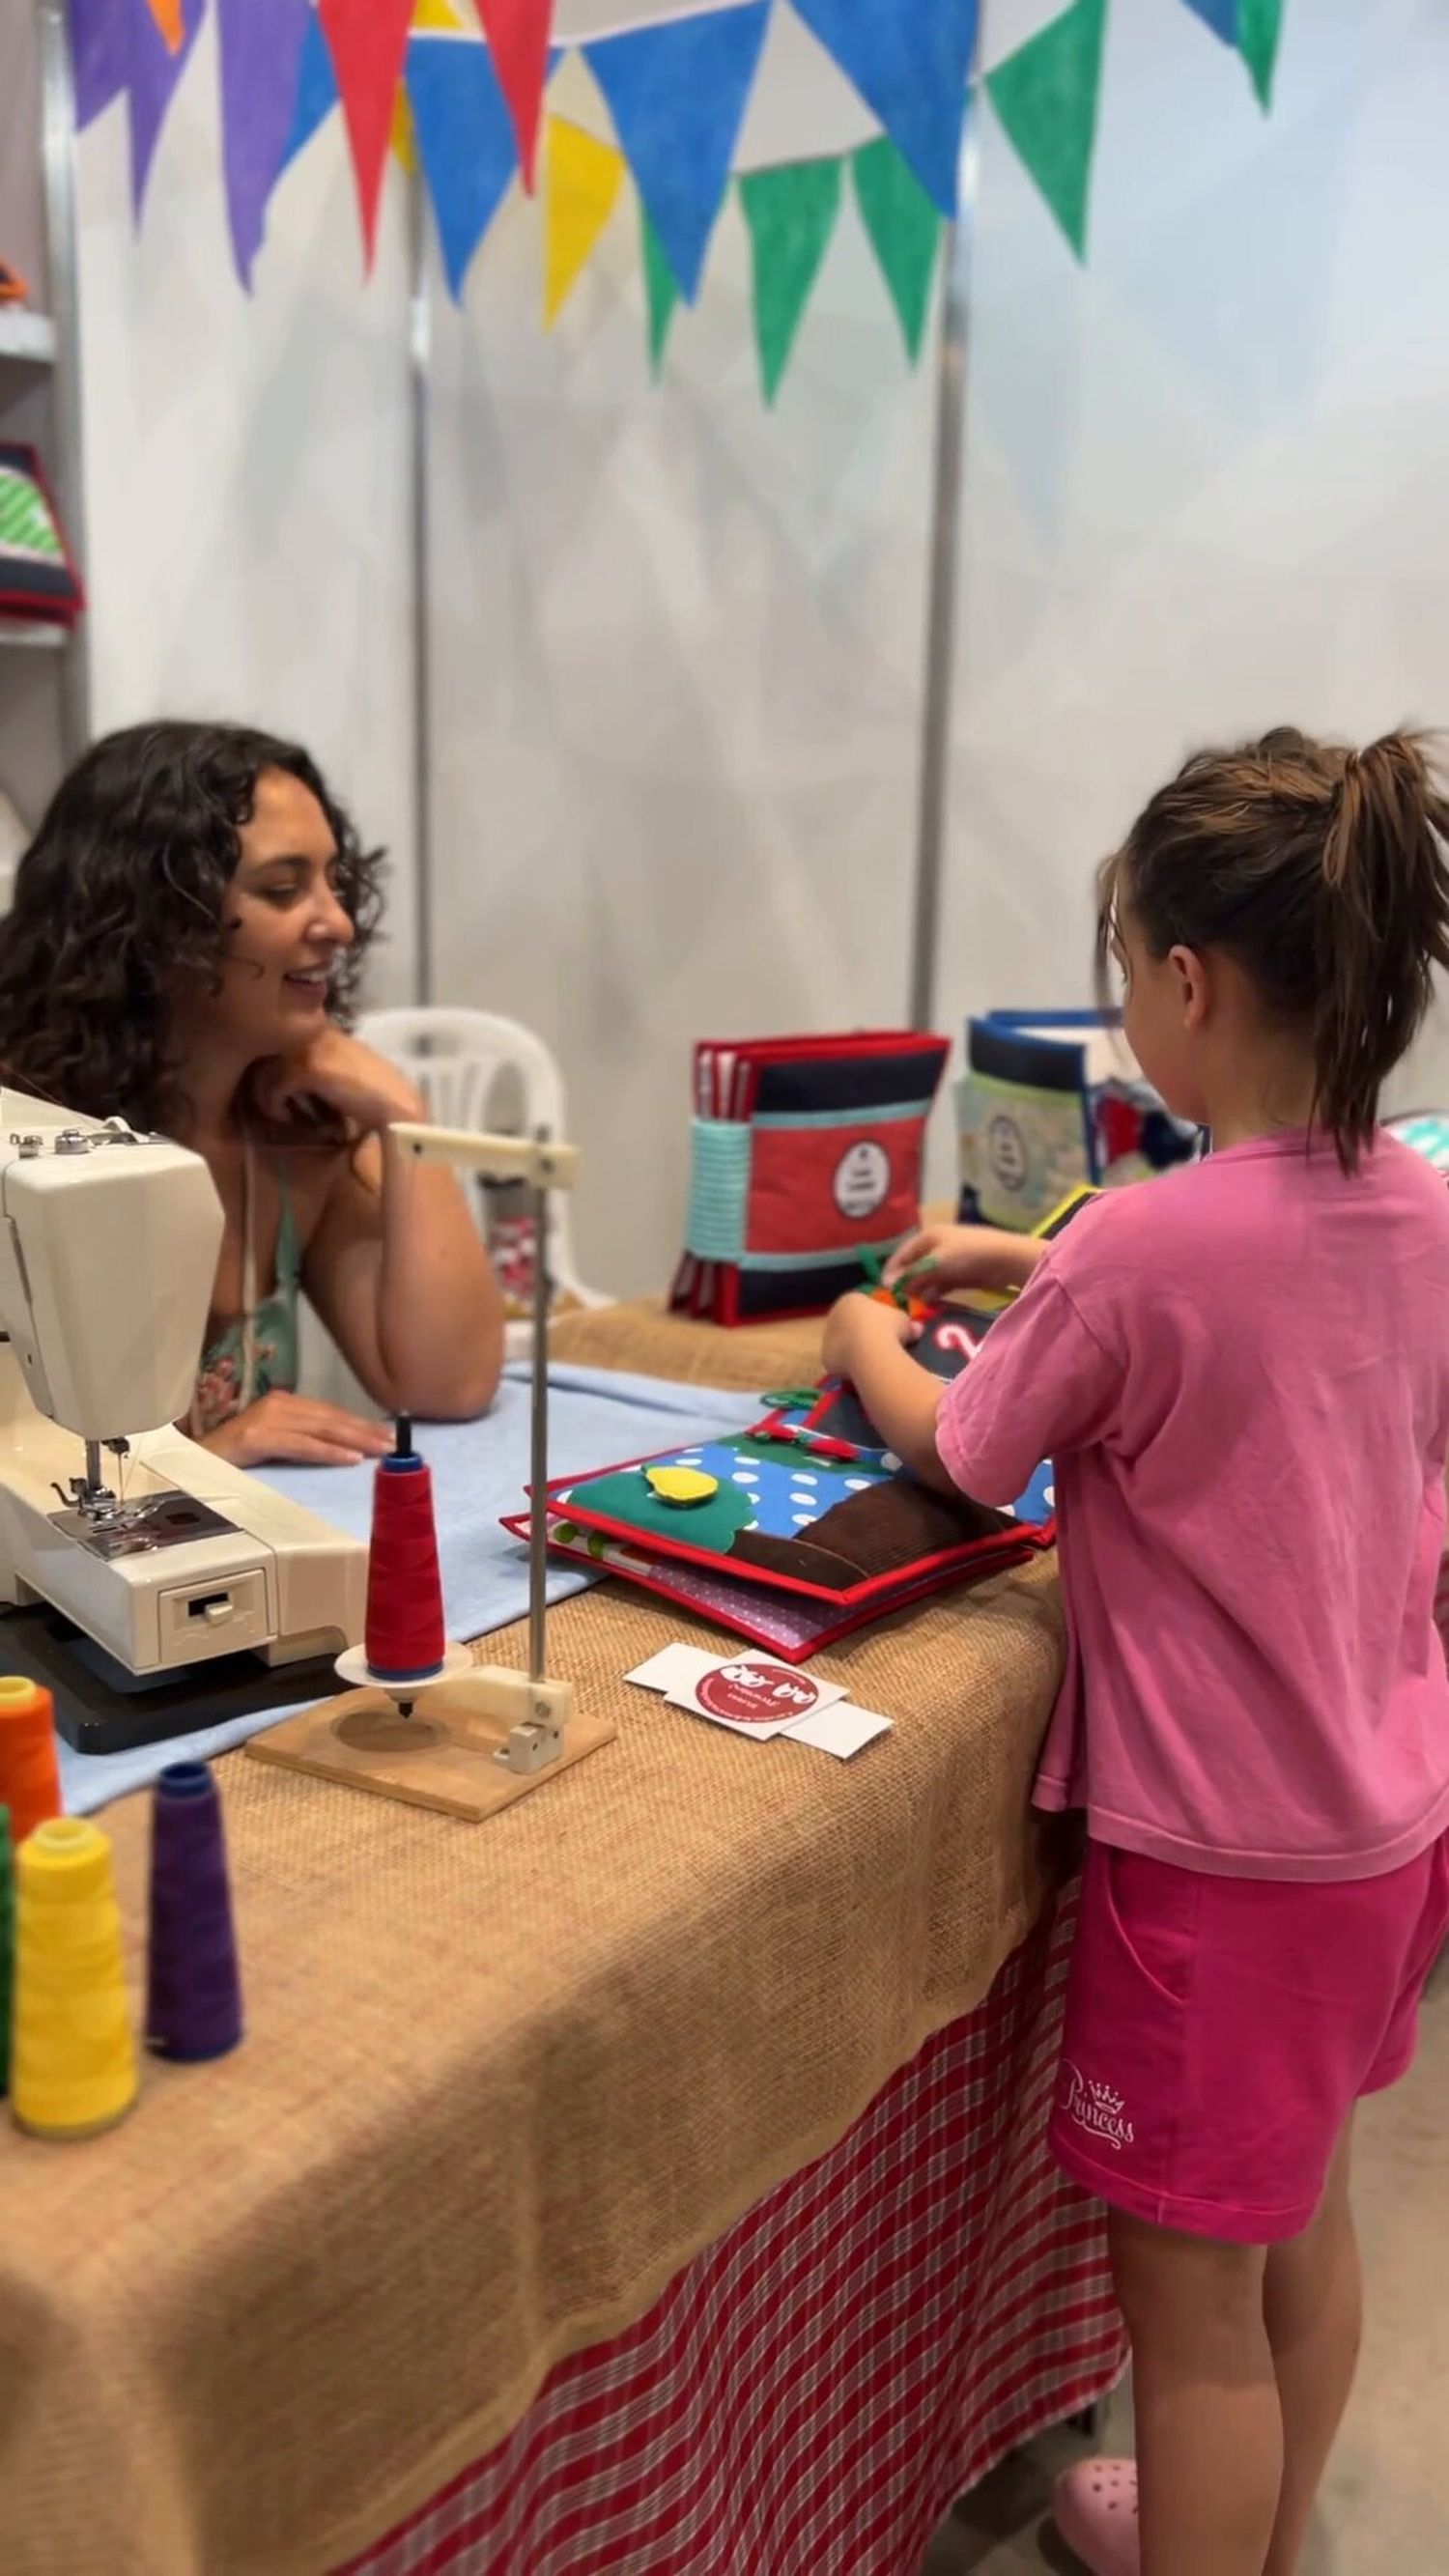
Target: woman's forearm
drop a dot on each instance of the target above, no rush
(439, 1308)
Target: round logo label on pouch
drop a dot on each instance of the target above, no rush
(1006, 1153)
(862, 1180)
(756, 1694)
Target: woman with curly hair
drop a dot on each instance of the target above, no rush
(183, 951)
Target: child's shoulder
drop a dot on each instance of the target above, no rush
(1176, 1207)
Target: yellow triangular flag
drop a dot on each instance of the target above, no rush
(437, 18)
(403, 138)
(581, 179)
(167, 14)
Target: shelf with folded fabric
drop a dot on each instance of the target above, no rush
(26, 338)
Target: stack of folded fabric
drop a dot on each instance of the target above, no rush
(38, 579)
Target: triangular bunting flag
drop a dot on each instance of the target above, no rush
(466, 138)
(581, 182)
(261, 51)
(168, 17)
(1221, 16)
(437, 18)
(1046, 97)
(791, 214)
(368, 41)
(100, 55)
(661, 288)
(905, 232)
(153, 73)
(316, 90)
(518, 39)
(910, 61)
(677, 94)
(1260, 27)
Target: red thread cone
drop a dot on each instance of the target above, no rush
(405, 1636)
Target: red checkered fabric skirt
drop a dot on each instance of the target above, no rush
(813, 2390)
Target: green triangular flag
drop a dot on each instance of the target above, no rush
(1046, 97)
(1260, 25)
(661, 287)
(905, 230)
(791, 214)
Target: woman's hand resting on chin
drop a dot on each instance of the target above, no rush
(341, 1074)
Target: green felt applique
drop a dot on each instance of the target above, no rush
(629, 1499)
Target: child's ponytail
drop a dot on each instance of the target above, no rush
(1383, 926)
(1323, 872)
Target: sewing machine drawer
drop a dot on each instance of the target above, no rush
(220, 1618)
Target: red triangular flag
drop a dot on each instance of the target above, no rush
(368, 41)
(518, 34)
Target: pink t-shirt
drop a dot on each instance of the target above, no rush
(1241, 1373)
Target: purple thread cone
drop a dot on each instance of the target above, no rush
(193, 2001)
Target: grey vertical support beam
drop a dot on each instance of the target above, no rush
(58, 151)
(943, 596)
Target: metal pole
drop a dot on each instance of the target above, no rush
(538, 1471)
(941, 609)
(58, 145)
(420, 337)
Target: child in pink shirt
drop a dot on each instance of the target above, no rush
(1241, 1374)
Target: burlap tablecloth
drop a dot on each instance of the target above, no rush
(644, 1336)
(499, 2083)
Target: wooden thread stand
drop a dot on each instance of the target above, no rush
(472, 1738)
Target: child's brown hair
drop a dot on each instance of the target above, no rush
(1323, 872)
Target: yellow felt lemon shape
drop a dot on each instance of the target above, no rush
(682, 1486)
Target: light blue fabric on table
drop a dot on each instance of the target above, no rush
(596, 1418)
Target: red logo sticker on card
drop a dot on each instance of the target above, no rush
(757, 1694)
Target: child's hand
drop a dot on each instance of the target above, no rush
(964, 1256)
(862, 1324)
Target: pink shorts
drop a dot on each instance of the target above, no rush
(1219, 2031)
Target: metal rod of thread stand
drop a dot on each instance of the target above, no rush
(538, 1514)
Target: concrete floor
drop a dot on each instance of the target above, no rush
(1384, 2510)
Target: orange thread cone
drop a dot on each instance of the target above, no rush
(73, 2056)
(29, 1772)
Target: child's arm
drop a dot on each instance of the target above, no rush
(965, 1256)
(867, 1342)
(1041, 1386)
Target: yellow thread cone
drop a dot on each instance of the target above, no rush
(73, 2057)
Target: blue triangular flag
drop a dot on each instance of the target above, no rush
(910, 61)
(1221, 16)
(466, 142)
(677, 94)
(316, 90)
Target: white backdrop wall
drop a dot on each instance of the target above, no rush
(246, 463)
(1208, 478)
(677, 639)
(678, 645)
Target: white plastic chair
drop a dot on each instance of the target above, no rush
(462, 1061)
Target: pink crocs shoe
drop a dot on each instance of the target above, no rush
(1095, 2506)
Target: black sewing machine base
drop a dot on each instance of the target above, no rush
(101, 1708)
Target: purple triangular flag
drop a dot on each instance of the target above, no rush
(100, 54)
(154, 73)
(261, 51)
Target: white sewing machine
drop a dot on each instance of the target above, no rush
(163, 1554)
